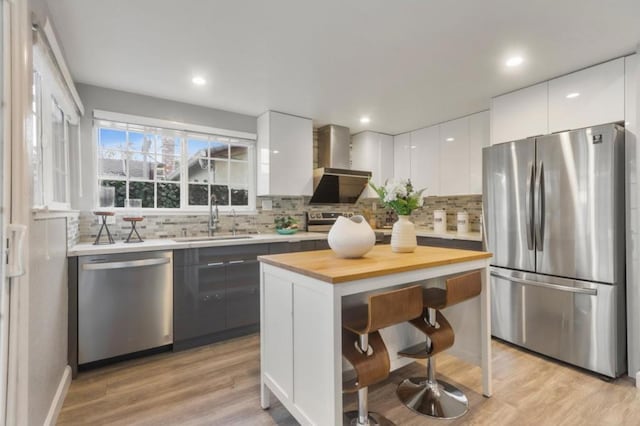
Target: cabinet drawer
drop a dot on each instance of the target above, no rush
(291, 246)
(458, 244)
(209, 255)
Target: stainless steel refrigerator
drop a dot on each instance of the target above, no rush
(554, 220)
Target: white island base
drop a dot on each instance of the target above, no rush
(301, 317)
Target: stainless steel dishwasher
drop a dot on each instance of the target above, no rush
(125, 304)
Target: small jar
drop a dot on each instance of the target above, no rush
(463, 222)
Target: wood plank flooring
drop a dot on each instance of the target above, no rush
(219, 385)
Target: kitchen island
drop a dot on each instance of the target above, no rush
(301, 303)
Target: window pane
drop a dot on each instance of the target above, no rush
(112, 139)
(222, 194)
(139, 142)
(121, 190)
(199, 169)
(168, 168)
(239, 197)
(220, 172)
(58, 146)
(168, 196)
(219, 150)
(239, 174)
(168, 145)
(197, 148)
(198, 195)
(239, 152)
(111, 163)
(142, 190)
(141, 166)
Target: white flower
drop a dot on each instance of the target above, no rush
(389, 197)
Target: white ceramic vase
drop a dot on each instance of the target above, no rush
(352, 237)
(403, 235)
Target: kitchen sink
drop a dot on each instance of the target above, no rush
(214, 238)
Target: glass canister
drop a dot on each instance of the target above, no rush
(106, 198)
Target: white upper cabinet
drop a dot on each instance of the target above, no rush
(478, 139)
(454, 157)
(424, 154)
(374, 152)
(402, 156)
(520, 114)
(285, 155)
(588, 97)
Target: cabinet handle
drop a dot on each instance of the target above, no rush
(218, 297)
(215, 264)
(231, 262)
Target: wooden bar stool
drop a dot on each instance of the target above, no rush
(426, 395)
(363, 347)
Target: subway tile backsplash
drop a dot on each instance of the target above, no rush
(155, 226)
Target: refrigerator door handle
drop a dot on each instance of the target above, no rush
(529, 206)
(588, 291)
(539, 214)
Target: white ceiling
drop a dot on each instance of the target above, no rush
(405, 63)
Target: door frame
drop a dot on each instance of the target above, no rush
(18, 195)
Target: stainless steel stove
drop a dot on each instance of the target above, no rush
(323, 221)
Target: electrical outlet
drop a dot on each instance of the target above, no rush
(267, 204)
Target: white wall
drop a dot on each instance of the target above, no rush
(632, 118)
(99, 98)
(48, 313)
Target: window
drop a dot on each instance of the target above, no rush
(170, 169)
(52, 114)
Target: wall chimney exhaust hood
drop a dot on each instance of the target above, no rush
(333, 181)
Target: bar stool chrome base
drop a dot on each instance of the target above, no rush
(350, 418)
(440, 399)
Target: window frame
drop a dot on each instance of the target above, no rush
(182, 132)
(52, 93)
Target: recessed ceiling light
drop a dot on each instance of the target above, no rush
(514, 61)
(365, 120)
(573, 95)
(199, 81)
(413, 146)
(450, 139)
(275, 151)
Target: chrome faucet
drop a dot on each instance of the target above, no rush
(234, 224)
(214, 219)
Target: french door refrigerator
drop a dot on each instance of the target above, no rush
(554, 219)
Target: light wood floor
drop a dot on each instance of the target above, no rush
(218, 385)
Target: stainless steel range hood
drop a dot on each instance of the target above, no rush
(334, 182)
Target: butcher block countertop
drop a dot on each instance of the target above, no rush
(324, 265)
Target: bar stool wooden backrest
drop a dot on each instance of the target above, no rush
(428, 396)
(363, 347)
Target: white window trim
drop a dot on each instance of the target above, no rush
(52, 90)
(184, 208)
(169, 125)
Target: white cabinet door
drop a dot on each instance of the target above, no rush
(520, 114)
(285, 155)
(586, 98)
(425, 159)
(402, 156)
(454, 157)
(478, 139)
(387, 162)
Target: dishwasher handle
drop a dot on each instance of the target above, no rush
(125, 264)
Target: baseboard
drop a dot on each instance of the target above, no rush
(58, 399)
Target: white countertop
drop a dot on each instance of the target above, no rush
(84, 249)
(449, 235)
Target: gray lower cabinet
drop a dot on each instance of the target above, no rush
(216, 290)
(216, 293)
(442, 242)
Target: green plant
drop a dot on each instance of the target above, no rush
(286, 222)
(399, 195)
